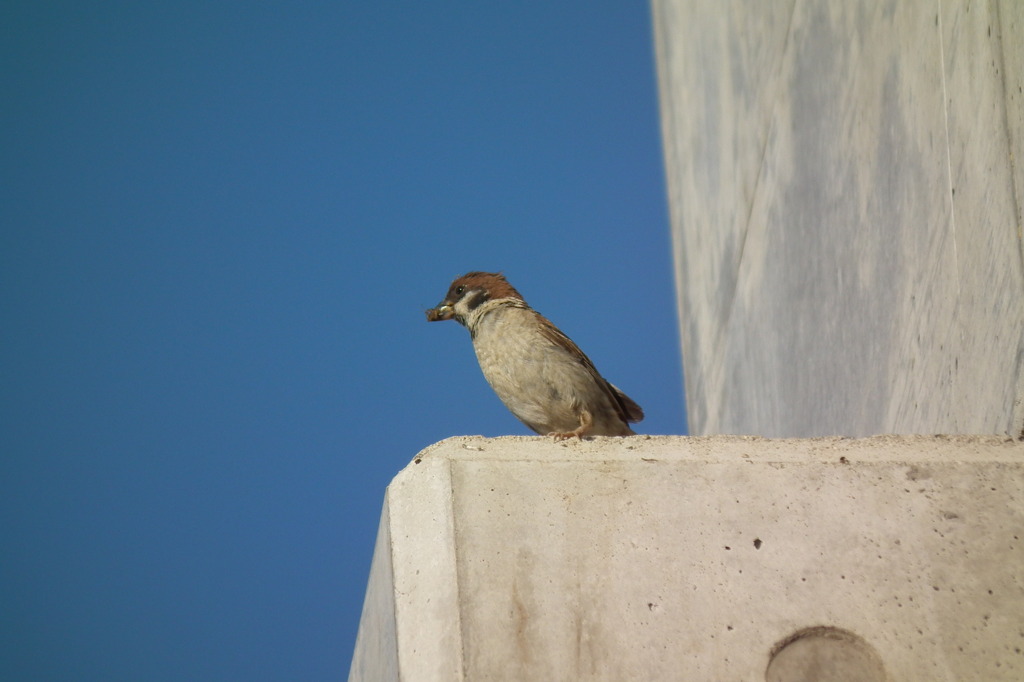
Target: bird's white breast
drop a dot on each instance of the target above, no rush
(542, 383)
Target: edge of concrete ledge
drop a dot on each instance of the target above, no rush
(946, 448)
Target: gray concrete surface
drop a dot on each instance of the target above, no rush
(717, 558)
(376, 651)
(845, 186)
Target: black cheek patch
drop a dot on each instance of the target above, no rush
(474, 299)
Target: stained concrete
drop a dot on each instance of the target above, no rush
(845, 186)
(670, 558)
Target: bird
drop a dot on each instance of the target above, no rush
(543, 378)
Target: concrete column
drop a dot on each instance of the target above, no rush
(845, 182)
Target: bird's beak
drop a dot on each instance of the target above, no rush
(443, 311)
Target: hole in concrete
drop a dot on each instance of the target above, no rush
(824, 654)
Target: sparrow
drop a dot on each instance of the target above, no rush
(537, 371)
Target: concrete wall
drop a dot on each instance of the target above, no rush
(719, 558)
(845, 182)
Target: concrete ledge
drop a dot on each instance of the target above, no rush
(659, 558)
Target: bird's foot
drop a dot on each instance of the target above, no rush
(585, 423)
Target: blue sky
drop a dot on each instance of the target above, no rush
(221, 225)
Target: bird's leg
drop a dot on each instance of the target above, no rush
(585, 423)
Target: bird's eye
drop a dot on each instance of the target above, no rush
(459, 290)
